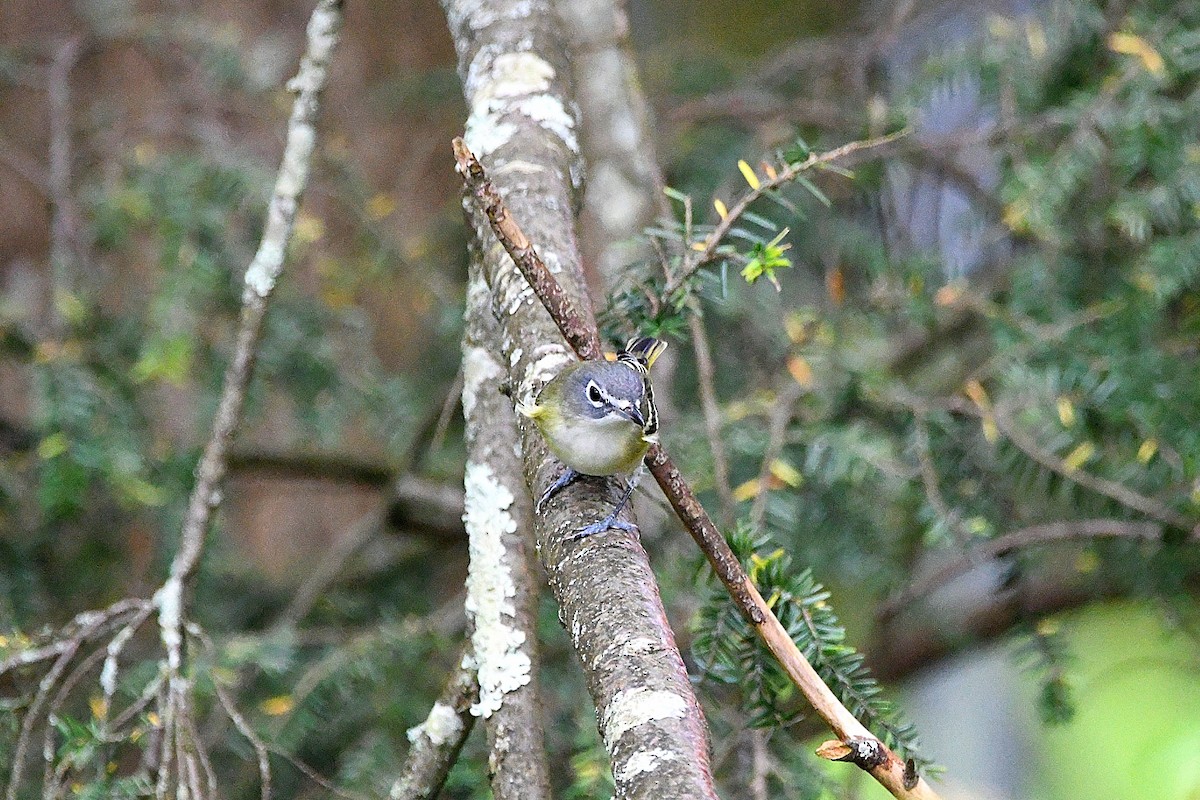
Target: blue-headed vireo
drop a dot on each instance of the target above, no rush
(598, 418)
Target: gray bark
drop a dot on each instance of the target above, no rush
(523, 128)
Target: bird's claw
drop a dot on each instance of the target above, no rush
(564, 480)
(611, 522)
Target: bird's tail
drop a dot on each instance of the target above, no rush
(644, 349)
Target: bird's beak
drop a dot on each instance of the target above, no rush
(634, 413)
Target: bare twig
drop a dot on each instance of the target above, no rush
(781, 414)
(929, 479)
(328, 569)
(64, 223)
(712, 415)
(260, 280)
(261, 753)
(890, 770)
(580, 334)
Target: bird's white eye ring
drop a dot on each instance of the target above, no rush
(594, 395)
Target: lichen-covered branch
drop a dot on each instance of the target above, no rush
(437, 741)
(513, 70)
(501, 593)
(259, 282)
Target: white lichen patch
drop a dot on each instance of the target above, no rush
(635, 707)
(547, 366)
(643, 761)
(478, 14)
(628, 648)
(485, 134)
(506, 83)
(481, 373)
(552, 261)
(519, 74)
(549, 112)
(518, 167)
(441, 726)
(503, 665)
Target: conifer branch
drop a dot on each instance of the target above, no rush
(891, 771)
(708, 252)
(984, 551)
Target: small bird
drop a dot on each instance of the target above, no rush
(599, 418)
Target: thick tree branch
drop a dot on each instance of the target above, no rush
(512, 64)
(501, 592)
(623, 193)
(890, 771)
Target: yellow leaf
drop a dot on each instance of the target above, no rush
(974, 390)
(796, 328)
(786, 473)
(99, 707)
(1147, 450)
(1131, 44)
(699, 247)
(979, 526)
(722, 211)
(774, 598)
(380, 206)
(71, 306)
(1079, 456)
(1016, 215)
(154, 719)
(801, 371)
(748, 174)
(1066, 411)
(144, 153)
(991, 431)
(1048, 626)
(948, 295)
(747, 490)
(308, 229)
(767, 168)
(278, 705)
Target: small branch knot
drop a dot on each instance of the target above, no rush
(910, 774)
(865, 752)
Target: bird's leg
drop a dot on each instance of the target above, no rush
(564, 480)
(611, 520)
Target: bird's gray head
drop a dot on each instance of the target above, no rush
(602, 389)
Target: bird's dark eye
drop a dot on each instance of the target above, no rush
(593, 393)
